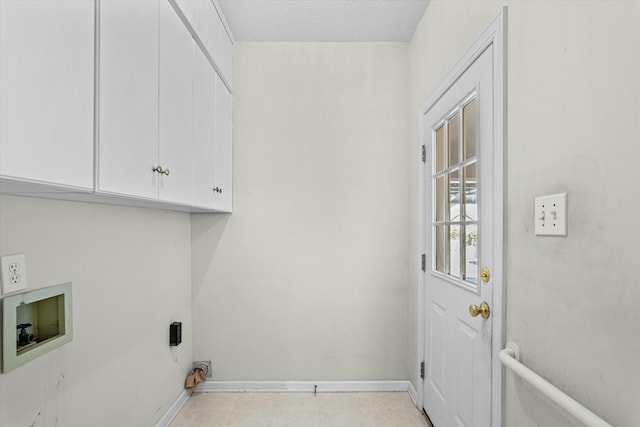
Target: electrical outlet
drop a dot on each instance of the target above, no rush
(13, 273)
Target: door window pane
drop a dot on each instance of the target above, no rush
(454, 196)
(440, 200)
(471, 253)
(440, 247)
(454, 250)
(470, 118)
(470, 193)
(454, 140)
(440, 149)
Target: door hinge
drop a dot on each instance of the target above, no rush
(422, 370)
(424, 153)
(424, 262)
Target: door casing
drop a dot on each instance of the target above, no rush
(495, 36)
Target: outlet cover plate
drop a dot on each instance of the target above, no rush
(13, 273)
(551, 215)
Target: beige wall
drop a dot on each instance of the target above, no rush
(307, 279)
(573, 124)
(131, 277)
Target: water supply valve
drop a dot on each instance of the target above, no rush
(23, 337)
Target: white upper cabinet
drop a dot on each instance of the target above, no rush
(223, 148)
(204, 115)
(210, 29)
(212, 138)
(176, 108)
(146, 111)
(130, 112)
(46, 87)
(128, 98)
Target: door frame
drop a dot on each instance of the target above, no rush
(494, 36)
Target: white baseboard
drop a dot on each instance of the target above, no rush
(305, 386)
(173, 410)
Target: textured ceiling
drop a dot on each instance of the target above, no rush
(323, 20)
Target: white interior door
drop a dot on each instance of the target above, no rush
(458, 220)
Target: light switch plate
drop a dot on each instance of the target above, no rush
(551, 215)
(13, 273)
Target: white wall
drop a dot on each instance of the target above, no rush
(307, 279)
(131, 277)
(573, 125)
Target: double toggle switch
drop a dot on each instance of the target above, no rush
(551, 215)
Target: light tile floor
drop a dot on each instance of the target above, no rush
(299, 410)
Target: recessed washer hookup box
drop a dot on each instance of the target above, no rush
(34, 323)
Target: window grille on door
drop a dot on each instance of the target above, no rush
(455, 190)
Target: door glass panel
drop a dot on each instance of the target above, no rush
(454, 196)
(455, 184)
(470, 193)
(471, 253)
(454, 250)
(440, 199)
(454, 140)
(440, 149)
(470, 118)
(440, 247)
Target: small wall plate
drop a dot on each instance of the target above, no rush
(551, 215)
(13, 273)
(516, 350)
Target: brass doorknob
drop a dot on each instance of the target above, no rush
(482, 310)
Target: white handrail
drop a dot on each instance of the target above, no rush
(510, 357)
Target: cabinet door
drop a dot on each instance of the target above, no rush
(223, 147)
(206, 22)
(204, 115)
(46, 82)
(128, 93)
(223, 51)
(176, 107)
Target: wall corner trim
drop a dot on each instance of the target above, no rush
(413, 394)
(173, 410)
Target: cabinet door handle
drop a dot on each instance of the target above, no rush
(161, 171)
(217, 190)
